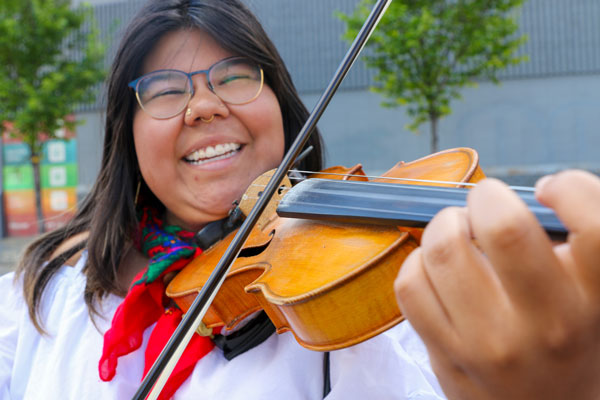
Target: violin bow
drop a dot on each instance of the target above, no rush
(165, 363)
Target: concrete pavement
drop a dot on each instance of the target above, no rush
(11, 249)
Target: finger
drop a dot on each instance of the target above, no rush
(516, 246)
(455, 383)
(460, 273)
(420, 305)
(575, 197)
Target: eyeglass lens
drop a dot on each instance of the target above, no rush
(164, 94)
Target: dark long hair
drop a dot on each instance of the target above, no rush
(108, 212)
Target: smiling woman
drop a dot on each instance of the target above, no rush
(199, 105)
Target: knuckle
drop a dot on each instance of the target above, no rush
(498, 350)
(441, 252)
(501, 354)
(440, 248)
(404, 284)
(401, 285)
(561, 338)
(510, 230)
(558, 343)
(496, 357)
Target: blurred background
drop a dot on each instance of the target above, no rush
(543, 117)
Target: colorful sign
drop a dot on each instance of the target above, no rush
(58, 181)
(58, 174)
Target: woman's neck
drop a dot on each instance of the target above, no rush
(132, 263)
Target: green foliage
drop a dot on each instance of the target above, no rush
(424, 51)
(50, 57)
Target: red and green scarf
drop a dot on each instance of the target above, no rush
(169, 249)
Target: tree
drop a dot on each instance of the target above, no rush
(50, 58)
(424, 51)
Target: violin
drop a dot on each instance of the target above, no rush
(328, 282)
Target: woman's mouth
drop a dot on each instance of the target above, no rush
(212, 153)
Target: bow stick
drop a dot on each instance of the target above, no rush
(165, 363)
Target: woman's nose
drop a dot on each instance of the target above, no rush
(204, 105)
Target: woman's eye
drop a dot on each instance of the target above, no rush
(232, 78)
(168, 92)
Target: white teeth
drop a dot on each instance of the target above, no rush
(211, 152)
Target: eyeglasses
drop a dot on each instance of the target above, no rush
(165, 93)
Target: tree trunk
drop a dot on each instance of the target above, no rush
(35, 161)
(433, 124)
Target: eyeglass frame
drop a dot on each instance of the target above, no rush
(134, 84)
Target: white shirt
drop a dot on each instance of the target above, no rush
(64, 363)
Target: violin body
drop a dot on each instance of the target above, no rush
(329, 283)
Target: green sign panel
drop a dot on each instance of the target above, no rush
(58, 175)
(17, 177)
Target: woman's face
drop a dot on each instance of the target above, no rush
(194, 189)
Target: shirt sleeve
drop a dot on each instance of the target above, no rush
(11, 309)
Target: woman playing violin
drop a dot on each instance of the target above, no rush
(200, 104)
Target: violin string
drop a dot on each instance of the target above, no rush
(283, 189)
(515, 188)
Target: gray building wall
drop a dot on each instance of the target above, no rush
(521, 129)
(542, 118)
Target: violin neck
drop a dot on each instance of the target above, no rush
(378, 203)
